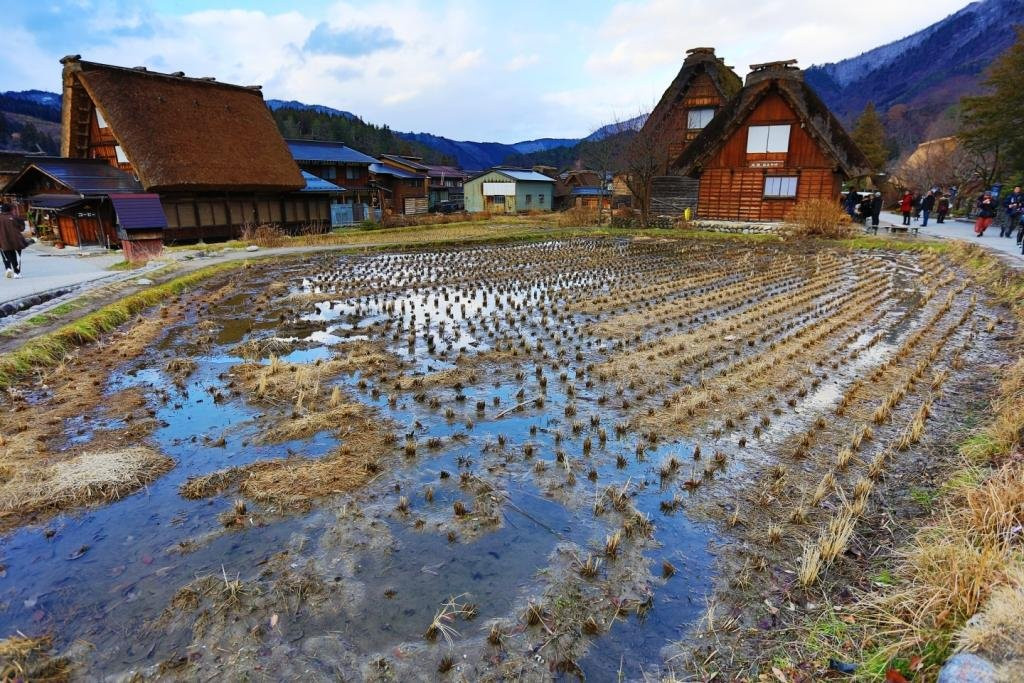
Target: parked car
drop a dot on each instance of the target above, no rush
(448, 207)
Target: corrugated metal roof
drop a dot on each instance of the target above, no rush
(381, 169)
(53, 201)
(587, 191)
(521, 174)
(139, 211)
(322, 150)
(88, 176)
(405, 160)
(315, 184)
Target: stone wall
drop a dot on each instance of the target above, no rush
(744, 227)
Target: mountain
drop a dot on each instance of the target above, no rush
(917, 82)
(318, 108)
(30, 120)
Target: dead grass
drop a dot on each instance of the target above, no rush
(24, 658)
(85, 479)
(819, 218)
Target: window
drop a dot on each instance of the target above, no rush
(330, 173)
(119, 153)
(540, 199)
(780, 186)
(529, 199)
(351, 173)
(768, 139)
(100, 121)
(698, 118)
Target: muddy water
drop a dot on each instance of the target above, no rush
(106, 575)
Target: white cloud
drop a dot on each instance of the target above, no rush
(520, 62)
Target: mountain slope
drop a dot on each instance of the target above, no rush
(914, 82)
(318, 108)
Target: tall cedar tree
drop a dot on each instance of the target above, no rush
(993, 123)
(869, 134)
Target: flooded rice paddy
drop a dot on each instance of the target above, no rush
(535, 461)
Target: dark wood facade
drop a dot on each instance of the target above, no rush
(733, 184)
(773, 145)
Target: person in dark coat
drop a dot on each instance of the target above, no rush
(1014, 206)
(851, 202)
(942, 208)
(927, 204)
(876, 209)
(11, 241)
(906, 206)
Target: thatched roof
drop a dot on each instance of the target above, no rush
(182, 133)
(699, 60)
(786, 80)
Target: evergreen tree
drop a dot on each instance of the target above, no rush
(869, 134)
(992, 123)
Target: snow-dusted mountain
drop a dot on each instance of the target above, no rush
(915, 80)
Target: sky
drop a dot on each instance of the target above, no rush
(484, 71)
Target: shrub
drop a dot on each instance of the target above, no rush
(266, 235)
(578, 217)
(818, 218)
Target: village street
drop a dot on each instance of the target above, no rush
(962, 230)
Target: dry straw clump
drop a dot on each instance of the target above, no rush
(90, 477)
(818, 218)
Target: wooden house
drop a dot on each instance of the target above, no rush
(83, 202)
(210, 150)
(774, 144)
(509, 190)
(698, 92)
(579, 188)
(337, 163)
(402, 183)
(445, 184)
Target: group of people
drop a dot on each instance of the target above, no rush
(987, 207)
(862, 208)
(922, 206)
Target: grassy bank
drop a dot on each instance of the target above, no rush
(50, 349)
(958, 584)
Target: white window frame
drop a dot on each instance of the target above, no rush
(780, 186)
(122, 158)
(699, 117)
(771, 139)
(100, 121)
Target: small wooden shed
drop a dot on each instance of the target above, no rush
(773, 145)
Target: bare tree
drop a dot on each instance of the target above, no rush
(947, 162)
(641, 162)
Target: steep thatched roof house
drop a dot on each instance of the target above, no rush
(210, 150)
(698, 92)
(774, 144)
(702, 86)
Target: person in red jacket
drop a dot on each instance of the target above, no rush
(906, 206)
(987, 207)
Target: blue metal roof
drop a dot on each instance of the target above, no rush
(587, 191)
(139, 211)
(315, 184)
(381, 169)
(322, 150)
(86, 176)
(521, 174)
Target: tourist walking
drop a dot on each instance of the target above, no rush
(11, 241)
(986, 207)
(851, 202)
(876, 209)
(906, 206)
(941, 208)
(1014, 205)
(927, 204)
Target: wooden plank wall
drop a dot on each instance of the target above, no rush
(671, 195)
(732, 187)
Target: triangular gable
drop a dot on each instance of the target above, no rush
(819, 122)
